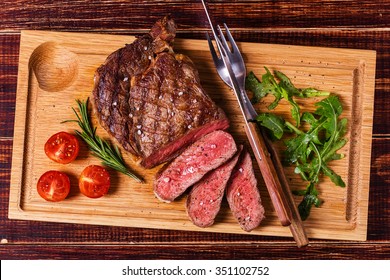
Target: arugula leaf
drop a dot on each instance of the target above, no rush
(311, 92)
(271, 86)
(297, 147)
(255, 86)
(286, 83)
(310, 198)
(324, 148)
(336, 179)
(274, 123)
(309, 148)
(284, 89)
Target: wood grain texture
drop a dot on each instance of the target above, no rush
(351, 24)
(265, 251)
(39, 115)
(114, 16)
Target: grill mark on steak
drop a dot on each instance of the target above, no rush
(150, 99)
(204, 201)
(243, 194)
(206, 154)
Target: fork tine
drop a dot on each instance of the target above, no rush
(231, 40)
(218, 62)
(212, 49)
(223, 40)
(224, 46)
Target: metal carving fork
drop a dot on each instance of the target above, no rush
(231, 68)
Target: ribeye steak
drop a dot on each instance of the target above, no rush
(150, 99)
(206, 154)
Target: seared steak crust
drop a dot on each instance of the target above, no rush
(150, 99)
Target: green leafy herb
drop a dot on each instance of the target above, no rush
(313, 149)
(286, 83)
(274, 123)
(255, 86)
(309, 148)
(110, 155)
(282, 89)
(310, 198)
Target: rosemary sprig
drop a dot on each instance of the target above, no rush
(109, 154)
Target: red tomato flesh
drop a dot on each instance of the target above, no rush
(94, 181)
(53, 186)
(62, 147)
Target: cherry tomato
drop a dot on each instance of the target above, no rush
(53, 185)
(62, 147)
(94, 181)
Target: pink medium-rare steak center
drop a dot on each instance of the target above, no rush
(150, 99)
(204, 200)
(243, 194)
(204, 155)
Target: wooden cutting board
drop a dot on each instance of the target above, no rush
(45, 100)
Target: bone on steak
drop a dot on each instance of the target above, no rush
(206, 154)
(150, 99)
(243, 194)
(204, 200)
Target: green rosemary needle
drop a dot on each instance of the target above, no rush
(109, 154)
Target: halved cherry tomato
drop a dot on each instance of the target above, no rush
(53, 185)
(62, 147)
(94, 181)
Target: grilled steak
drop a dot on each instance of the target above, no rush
(243, 195)
(150, 99)
(206, 154)
(204, 200)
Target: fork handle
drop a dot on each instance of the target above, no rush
(276, 182)
(269, 173)
(297, 229)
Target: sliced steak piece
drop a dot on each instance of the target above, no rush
(204, 200)
(150, 99)
(206, 154)
(243, 195)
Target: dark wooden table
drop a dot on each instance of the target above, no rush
(363, 24)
